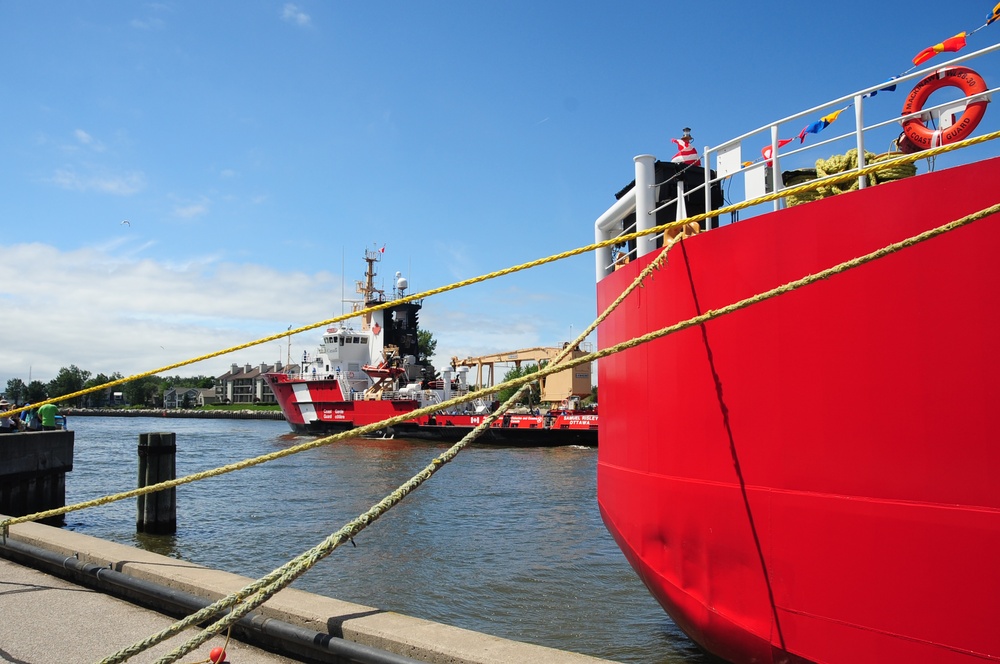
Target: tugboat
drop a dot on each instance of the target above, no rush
(820, 482)
(363, 376)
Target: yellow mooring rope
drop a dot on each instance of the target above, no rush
(258, 592)
(255, 594)
(790, 191)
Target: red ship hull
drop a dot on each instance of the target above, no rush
(318, 407)
(820, 481)
(514, 430)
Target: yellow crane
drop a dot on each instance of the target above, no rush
(555, 388)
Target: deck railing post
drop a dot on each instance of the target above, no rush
(859, 127)
(645, 201)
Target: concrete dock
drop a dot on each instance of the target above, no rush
(52, 612)
(46, 619)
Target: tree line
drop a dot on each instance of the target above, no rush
(73, 379)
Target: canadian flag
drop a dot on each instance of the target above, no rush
(382, 250)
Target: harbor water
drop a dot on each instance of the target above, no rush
(502, 540)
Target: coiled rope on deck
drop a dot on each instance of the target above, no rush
(840, 163)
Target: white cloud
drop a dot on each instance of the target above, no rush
(89, 141)
(104, 311)
(83, 137)
(191, 211)
(152, 22)
(293, 14)
(147, 23)
(109, 307)
(123, 184)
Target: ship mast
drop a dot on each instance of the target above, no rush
(369, 294)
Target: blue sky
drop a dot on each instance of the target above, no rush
(257, 148)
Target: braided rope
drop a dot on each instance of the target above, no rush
(428, 409)
(261, 590)
(255, 594)
(258, 592)
(840, 163)
(867, 170)
(265, 587)
(353, 433)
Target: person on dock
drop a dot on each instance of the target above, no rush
(7, 423)
(48, 413)
(29, 419)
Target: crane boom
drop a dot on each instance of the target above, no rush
(554, 388)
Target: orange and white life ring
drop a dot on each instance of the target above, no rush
(350, 374)
(969, 82)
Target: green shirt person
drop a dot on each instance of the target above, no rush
(48, 414)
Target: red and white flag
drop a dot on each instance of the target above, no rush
(686, 153)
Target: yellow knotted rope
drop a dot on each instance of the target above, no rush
(894, 171)
(840, 163)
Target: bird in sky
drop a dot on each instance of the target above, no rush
(126, 223)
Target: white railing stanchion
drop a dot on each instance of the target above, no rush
(776, 184)
(645, 200)
(859, 128)
(707, 224)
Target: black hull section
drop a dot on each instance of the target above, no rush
(512, 437)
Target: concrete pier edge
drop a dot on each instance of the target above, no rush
(386, 630)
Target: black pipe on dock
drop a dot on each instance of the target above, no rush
(175, 412)
(253, 628)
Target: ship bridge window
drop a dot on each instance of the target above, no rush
(342, 341)
(364, 340)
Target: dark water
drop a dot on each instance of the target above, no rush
(505, 541)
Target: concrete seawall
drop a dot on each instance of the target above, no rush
(175, 412)
(33, 467)
(385, 630)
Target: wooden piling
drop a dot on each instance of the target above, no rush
(156, 512)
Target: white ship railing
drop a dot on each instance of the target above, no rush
(727, 167)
